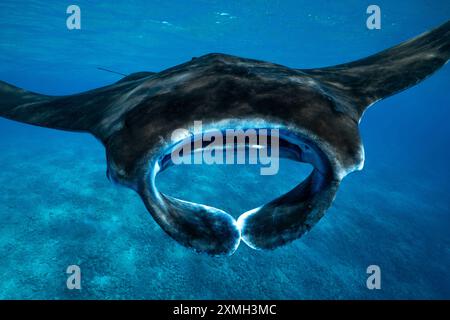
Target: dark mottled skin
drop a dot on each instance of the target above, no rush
(218, 89)
(135, 117)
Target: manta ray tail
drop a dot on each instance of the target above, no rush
(376, 77)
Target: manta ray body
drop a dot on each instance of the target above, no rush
(317, 112)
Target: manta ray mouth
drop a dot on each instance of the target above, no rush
(216, 232)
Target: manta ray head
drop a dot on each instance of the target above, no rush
(211, 230)
(225, 93)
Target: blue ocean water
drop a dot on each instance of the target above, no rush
(57, 208)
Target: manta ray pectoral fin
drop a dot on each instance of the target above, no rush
(85, 111)
(376, 77)
(80, 112)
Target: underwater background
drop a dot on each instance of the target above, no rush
(57, 207)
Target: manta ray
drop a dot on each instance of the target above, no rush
(317, 113)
